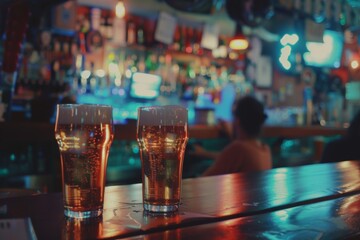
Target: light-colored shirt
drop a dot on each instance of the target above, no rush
(242, 156)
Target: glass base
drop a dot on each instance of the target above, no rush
(161, 208)
(83, 215)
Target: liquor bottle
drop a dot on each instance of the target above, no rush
(131, 32)
(189, 40)
(149, 30)
(109, 27)
(106, 26)
(182, 39)
(140, 36)
(177, 38)
(92, 82)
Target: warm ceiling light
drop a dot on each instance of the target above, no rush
(239, 43)
(120, 9)
(354, 64)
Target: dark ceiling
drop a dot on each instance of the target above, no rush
(32, 3)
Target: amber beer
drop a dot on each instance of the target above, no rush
(162, 135)
(84, 134)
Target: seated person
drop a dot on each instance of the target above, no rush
(246, 152)
(345, 148)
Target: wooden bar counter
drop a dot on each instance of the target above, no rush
(308, 202)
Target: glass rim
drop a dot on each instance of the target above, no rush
(84, 113)
(163, 107)
(71, 105)
(163, 115)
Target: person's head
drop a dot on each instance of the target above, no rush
(354, 128)
(249, 116)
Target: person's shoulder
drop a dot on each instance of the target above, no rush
(238, 144)
(248, 146)
(235, 147)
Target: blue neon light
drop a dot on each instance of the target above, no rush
(326, 54)
(287, 42)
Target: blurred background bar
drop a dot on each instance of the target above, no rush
(300, 58)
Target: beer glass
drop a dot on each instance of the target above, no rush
(162, 135)
(84, 134)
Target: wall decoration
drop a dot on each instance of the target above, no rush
(210, 37)
(264, 72)
(165, 28)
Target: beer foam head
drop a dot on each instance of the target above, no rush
(170, 115)
(83, 114)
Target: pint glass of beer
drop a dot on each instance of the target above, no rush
(84, 134)
(162, 135)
